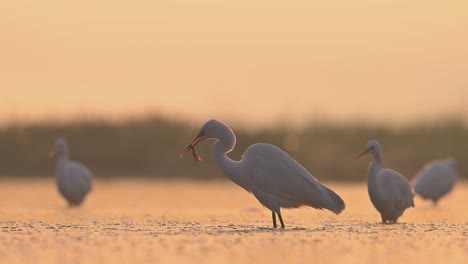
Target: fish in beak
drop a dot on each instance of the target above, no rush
(191, 147)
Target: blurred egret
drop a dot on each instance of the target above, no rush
(390, 193)
(74, 181)
(436, 179)
(266, 171)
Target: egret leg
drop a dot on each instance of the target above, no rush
(273, 216)
(384, 221)
(281, 220)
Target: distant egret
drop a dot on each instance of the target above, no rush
(389, 192)
(74, 181)
(436, 179)
(266, 171)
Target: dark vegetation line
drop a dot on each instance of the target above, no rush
(149, 147)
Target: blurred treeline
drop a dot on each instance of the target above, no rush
(150, 147)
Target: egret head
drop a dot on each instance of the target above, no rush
(59, 148)
(372, 146)
(212, 129)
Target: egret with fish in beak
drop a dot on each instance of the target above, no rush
(266, 171)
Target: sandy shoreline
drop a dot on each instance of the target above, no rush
(138, 221)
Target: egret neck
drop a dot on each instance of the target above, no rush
(224, 144)
(374, 169)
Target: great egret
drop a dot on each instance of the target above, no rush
(266, 171)
(389, 192)
(436, 179)
(74, 181)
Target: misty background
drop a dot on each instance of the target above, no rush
(150, 147)
(129, 84)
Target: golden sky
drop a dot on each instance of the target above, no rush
(246, 60)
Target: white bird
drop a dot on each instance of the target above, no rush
(389, 191)
(74, 180)
(436, 179)
(266, 171)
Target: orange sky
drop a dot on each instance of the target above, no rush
(246, 60)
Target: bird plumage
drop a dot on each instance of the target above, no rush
(390, 192)
(276, 175)
(269, 173)
(74, 180)
(436, 179)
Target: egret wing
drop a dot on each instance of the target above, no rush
(81, 177)
(397, 188)
(273, 171)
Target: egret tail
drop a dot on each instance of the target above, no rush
(332, 201)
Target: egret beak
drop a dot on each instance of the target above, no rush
(192, 147)
(362, 154)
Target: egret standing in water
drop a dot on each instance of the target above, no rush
(74, 181)
(436, 179)
(390, 193)
(266, 171)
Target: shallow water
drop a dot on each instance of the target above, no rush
(146, 221)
